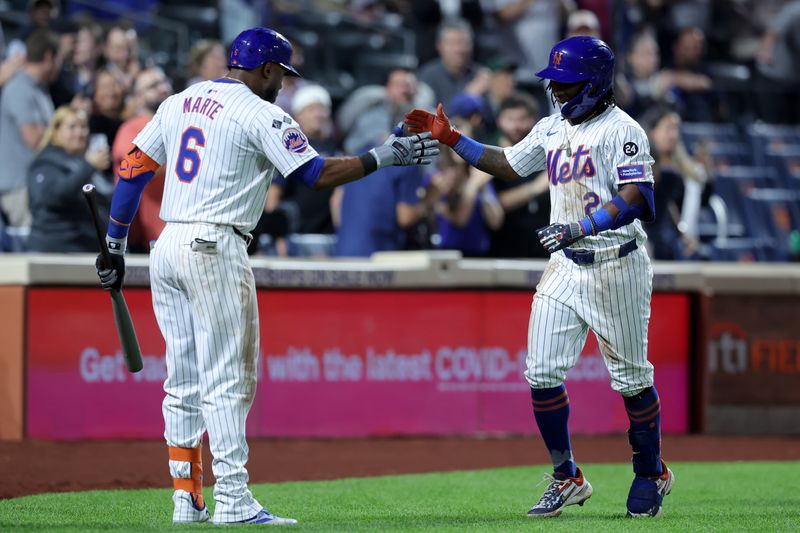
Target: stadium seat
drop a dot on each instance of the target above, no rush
(786, 163)
(692, 132)
(741, 250)
(771, 137)
(727, 154)
(774, 214)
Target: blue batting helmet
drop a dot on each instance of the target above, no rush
(256, 46)
(581, 59)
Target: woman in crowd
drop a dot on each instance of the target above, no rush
(61, 221)
(207, 61)
(680, 184)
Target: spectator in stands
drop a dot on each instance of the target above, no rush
(55, 179)
(501, 86)
(454, 71)
(779, 65)
(374, 215)
(583, 22)
(292, 84)
(371, 124)
(11, 63)
(207, 61)
(467, 209)
(62, 90)
(41, 15)
(694, 90)
(535, 25)
(525, 201)
(466, 111)
(84, 64)
(424, 17)
(150, 88)
(680, 182)
(307, 210)
(119, 53)
(641, 84)
(108, 100)
(25, 112)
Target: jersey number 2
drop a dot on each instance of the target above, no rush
(592, 201)
(188, 164)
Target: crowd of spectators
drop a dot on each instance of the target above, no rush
(76, 92)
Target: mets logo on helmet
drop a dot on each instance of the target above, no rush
(557, 58)
(295, 141)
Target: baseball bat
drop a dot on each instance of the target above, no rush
(122, 317)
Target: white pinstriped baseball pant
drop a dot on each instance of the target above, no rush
(612, 298)
(205, 304)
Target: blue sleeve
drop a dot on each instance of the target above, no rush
(627, 212)
(309, 172)
(125, 202)
(647, 192)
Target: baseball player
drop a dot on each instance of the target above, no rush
(220, 142)
(599, 275)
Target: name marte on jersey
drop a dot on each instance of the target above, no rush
(573, 168)
(205, 106)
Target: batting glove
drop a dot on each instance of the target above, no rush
(419, 120)
(405, 151)
(558, 236)
(110, 278)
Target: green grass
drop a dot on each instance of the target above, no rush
(753, 496)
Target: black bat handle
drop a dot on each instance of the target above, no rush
(88, 193)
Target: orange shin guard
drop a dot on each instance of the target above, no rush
(194, 484)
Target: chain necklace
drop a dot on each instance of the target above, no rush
(568, 137)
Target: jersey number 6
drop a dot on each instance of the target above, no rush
(188, 164)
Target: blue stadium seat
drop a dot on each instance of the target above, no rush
(774, 213)
(741, 250)
(693, 132)
(728, 154)
(786, 163)
(770, 137)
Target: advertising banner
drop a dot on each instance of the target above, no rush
(340, 364)
(753, 365)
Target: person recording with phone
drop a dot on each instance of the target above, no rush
(65, 162)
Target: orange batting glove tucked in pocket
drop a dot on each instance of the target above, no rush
(419, 120)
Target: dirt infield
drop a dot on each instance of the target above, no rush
(37, 466)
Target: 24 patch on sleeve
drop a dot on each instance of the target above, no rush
(630, 172)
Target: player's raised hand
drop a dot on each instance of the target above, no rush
(417, 149)
(558, 236)
(419, 120)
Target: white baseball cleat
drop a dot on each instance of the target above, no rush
(186, 510)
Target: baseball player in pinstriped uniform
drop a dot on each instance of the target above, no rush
(221, 142)
(599, 275)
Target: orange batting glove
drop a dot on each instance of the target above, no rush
(439, 125)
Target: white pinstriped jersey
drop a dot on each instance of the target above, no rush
(586, 165)
(221, 144)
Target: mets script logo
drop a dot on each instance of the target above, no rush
(557, 58)
(579, 165)
(295, 141)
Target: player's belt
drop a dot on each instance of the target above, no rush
(247, 238)
(581, 256)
